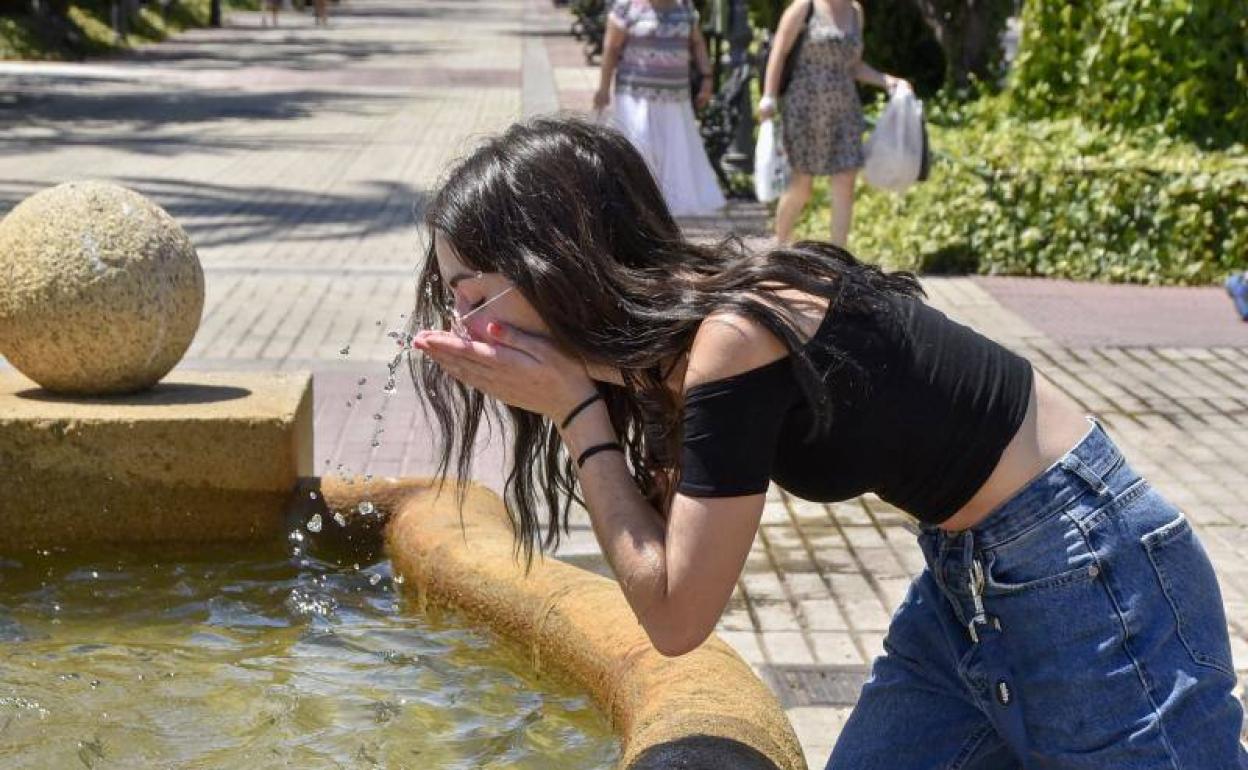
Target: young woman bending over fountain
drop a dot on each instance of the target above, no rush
(1067, 617)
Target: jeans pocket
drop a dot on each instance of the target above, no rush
(1191, 588)
(1052, 556)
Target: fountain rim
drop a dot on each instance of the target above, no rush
(703, 709)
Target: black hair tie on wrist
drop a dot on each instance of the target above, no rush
(578, 409)
(595, 449)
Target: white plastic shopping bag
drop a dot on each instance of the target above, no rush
(771, 165)
(895, 148)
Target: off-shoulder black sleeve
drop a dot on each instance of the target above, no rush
(731, 429)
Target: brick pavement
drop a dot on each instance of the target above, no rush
(297, 158)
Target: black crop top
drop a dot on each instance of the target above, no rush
(921, 421)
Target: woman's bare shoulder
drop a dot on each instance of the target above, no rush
(730, 342)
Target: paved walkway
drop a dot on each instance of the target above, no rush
(298, 159)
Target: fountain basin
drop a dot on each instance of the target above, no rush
(202, 456)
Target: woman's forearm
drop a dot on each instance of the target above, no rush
(630, 532)
(775, 61)
(865, 73)
(610, 59)
(613, 42)
(701, 57)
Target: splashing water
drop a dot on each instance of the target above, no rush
(403, 340)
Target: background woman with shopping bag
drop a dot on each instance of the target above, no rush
(822, 122)
(647, 51)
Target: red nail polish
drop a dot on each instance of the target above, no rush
(494, 329)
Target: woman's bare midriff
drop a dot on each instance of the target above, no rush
(1053, 424)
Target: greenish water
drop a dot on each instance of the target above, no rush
(241, 657)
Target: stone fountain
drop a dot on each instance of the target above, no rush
(101, 294)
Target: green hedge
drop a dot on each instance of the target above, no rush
(1060, 198)
(1181, 64)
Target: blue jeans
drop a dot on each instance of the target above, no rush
(1080, 625)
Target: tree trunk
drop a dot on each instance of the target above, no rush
(969, 33)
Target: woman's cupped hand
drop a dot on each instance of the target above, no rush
(513, 366)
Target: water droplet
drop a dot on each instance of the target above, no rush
(95, 683)
(374, 579)
(312, 495)
(95, 574)
(342, 520)
(367, 508)
(377, 416)
(345, 351)
(314, 523)
(56, 608)
(295, 536)
(375, 443)
(398, 580)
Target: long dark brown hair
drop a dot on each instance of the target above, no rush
(568, 211)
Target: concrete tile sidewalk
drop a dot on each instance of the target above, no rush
(298, 159)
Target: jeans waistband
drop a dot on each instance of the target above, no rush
(1094, 464)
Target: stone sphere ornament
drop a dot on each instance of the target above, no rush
(101, 291)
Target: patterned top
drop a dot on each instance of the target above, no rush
(654, 63)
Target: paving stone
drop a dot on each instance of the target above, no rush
(822, 615)
(787, 648)
(836, 648)
(746, 644)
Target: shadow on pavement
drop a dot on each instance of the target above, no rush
(219, 215)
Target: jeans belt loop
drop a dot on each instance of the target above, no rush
(1077, 466)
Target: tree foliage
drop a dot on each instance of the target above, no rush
(1180, 64)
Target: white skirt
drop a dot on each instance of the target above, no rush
(666, 134)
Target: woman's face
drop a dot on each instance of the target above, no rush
(471, 292)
